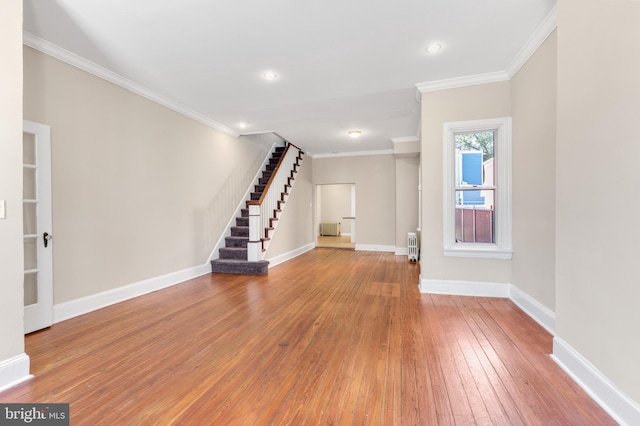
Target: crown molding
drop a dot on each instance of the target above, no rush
(353, 154)
(471, 80)
(72, 59)
(535, 41)
(405, 139)
(260, 133)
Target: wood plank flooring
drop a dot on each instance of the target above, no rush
(339, 242)
(331, 337)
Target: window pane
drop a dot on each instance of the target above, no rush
(28, 148)
(474, 162)
(30, 289)
(29, 218)
(30, 253)
(29, 183)
(474, 167)
(475, 223)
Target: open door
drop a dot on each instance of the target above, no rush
(38, 244)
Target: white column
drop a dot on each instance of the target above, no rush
(254, 247)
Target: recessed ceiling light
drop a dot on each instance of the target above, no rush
(354, 133)
(270, 75)
(433, 48)
(242, 125)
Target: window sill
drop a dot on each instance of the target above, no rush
(483, 251)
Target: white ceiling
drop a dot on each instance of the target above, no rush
(341, 65)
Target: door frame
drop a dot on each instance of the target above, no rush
(318, 209)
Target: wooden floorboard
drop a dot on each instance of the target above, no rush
(330, 337)
(327, 241)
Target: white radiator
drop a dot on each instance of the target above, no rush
(412, 244)
(330, 228)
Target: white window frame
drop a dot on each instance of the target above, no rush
(502, 248)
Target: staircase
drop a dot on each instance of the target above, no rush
(233, 257)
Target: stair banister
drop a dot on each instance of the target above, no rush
(263, 213)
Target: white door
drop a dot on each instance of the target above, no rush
(38, 245)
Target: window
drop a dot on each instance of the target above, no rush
(477, 188)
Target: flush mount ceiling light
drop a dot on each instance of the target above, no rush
(269, 75)
(354, 133)
(433, 48)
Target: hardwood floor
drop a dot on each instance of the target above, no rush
(340, 242)
(331, 337)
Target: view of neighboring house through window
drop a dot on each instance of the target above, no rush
(474, 186)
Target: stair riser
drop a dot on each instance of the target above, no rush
(233, 253)
(242, 221)
(245, 268)
(236, 242)
(240, 231)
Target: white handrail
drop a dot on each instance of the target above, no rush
(264, 213)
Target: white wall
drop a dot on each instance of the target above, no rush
(139, 191)
(335, 203)
(598, 147)
(11, 249)
(295, 227)
(533, 100)
(374, 177)
(406, 198)
(461, 104)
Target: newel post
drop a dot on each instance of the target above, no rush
(254, 246)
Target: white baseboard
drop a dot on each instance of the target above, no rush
(14, 371)
(464, 288)
(402, 251)
(619, 406)
(375, 247)
(536, 310)
(73, 308)
(276, 260)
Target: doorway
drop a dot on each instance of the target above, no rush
(336, 216)
(38, 244)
